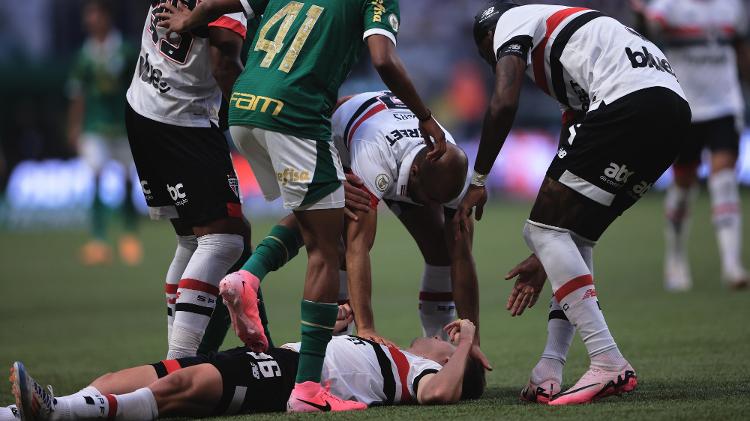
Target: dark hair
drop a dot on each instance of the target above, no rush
(103, 5)
(474, 380)
(487, 17)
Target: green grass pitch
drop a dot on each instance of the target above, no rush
(69, 324)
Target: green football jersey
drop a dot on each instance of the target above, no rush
(101, 74)
(301, 55)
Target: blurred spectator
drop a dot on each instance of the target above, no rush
(98, 81)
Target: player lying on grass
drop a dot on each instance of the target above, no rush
(241, 381)
(625, 118)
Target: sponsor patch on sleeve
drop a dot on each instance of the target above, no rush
(517, 46)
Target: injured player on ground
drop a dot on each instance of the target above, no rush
(240, 381)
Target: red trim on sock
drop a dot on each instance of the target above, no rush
(197, 285)
(435, 296)
(171, 365)
(170, 288)
(402, 366)
(573, 285)
(112, 402)
(725, 209)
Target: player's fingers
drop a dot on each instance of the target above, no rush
(480, 211)
(169, 7)
(511, 299)
(451, 325)
(534, 299)
(351, 215)
(514, 272)
(477, 353)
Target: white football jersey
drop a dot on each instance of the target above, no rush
(698, 37)
(581, 57)
(378, 138)
(173, 82)
(372, 373)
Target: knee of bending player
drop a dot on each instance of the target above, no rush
(527, 237)
(558, 253)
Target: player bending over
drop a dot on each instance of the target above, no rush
(279, 117)
(625, 117)
(240, 381)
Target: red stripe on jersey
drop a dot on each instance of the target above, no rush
(374, 110)
(170, 288)
(234, 210)
(197, 285)
(112, 403)
(402, 366)
(231, 24)
(537, 56)
(171, 365)
(435, 296)
(573, 285)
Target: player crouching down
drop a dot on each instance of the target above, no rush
(240, 381)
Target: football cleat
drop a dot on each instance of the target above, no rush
(596, 384)
(33, 402)
(96, 252)
(130, 249)
(540, 393)
(312, 397)
(737, 279)
(240, 293)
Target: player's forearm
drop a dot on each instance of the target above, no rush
(501, 112)
(446, 386)
(392, 72)
(226, 65)
(360, 287)
(464, 274)
(210, 10)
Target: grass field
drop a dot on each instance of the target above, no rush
(69, 324)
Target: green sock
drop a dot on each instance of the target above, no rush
(318, 321)
(279, 247)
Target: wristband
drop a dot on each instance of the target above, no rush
(428, 118)
(478, 180)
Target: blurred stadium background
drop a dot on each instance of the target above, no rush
(43, 185)
(71, 323)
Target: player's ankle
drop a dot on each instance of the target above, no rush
(610, 360)
(307, 389)
(547, 369)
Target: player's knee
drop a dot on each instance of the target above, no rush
(174, 383)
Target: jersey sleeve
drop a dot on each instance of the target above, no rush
(235, 22)
(514, 35)
(381, 17)
(369, 163)
(254, 8)
(419, 368)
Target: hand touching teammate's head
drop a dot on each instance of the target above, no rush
(438, 181)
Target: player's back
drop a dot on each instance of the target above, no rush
(698, 38)
(581, 57)
(301, 55)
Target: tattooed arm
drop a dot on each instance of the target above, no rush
(502, 110)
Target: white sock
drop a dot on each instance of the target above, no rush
(198, 289)
(186, 245)
(559, 337)
(86, 391)
(574, 290)
(677, 204)
(9, 413)
(344, 299)
(436, 306)
(725, 204)
(136, 406)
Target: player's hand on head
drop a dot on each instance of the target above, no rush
(356, 198)
(372, 335)
(434, 137)
(461, 330)
(529, 281)
(173, 18)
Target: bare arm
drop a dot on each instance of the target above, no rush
(226, 65)
(360, 236)
(447, 384)
(742, 49)
(181, 19)
(391, 70)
